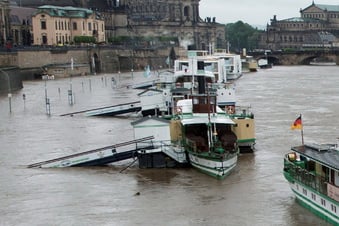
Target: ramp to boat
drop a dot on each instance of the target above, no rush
(96, 157)
(110, 110)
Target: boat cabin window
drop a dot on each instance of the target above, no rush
(201, 65)
(182, 66)
(310, 166)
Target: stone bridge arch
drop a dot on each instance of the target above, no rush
(307, 59)
(301, 57)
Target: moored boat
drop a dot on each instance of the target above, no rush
(313, 174)
(197, 129)
(249, 64)
(207, 136)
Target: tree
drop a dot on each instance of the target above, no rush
(242, 35)
(84, 39)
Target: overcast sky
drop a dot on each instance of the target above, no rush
(255, 12)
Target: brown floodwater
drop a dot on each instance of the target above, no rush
(255, 193)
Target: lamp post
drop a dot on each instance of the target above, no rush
(9, 90)
(70, 91)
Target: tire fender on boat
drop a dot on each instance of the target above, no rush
(230, 109)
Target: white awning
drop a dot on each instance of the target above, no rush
(204, 120)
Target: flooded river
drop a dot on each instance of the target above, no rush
(254, 194)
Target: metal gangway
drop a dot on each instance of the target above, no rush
(110, 110)
(96, 157)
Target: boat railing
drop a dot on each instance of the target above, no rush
(306, 177)
(174, 150)
(191, 145)
(243, 111)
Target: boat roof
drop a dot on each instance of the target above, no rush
(144, 119)
(325, 154)
(190, 74)
(205, 120)
(148, 90)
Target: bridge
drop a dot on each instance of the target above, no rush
(296, 57)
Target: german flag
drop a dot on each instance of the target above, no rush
(297, 124)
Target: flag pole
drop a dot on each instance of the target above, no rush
(302, 131)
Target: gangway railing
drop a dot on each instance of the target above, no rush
(114, 109)
(102, 155)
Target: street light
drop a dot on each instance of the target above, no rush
(9, 90)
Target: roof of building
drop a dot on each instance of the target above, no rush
(92, 4)
(36, 3)
(21, 15)
(302, 20)
(331, 8)
(67, 11)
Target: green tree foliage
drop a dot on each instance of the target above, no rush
(242, 35)
(84, 39)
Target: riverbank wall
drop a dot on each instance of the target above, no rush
(30, 63)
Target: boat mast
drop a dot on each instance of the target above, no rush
(209, 126)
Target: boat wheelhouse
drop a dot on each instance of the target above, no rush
(313, 174)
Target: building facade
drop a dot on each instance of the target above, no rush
(54, 25)
(317, 27)
(4, 22)
(175, 18)
(154, 18)
(21, 25)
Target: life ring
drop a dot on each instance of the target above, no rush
(230, 109)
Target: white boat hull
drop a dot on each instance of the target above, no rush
(322, 206)
(216, 168)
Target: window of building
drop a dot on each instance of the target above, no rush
(75, 26)
(89, 26)
(186, 12)
(56, 25)
(323, 202)
(44, 39)
(43, 25)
